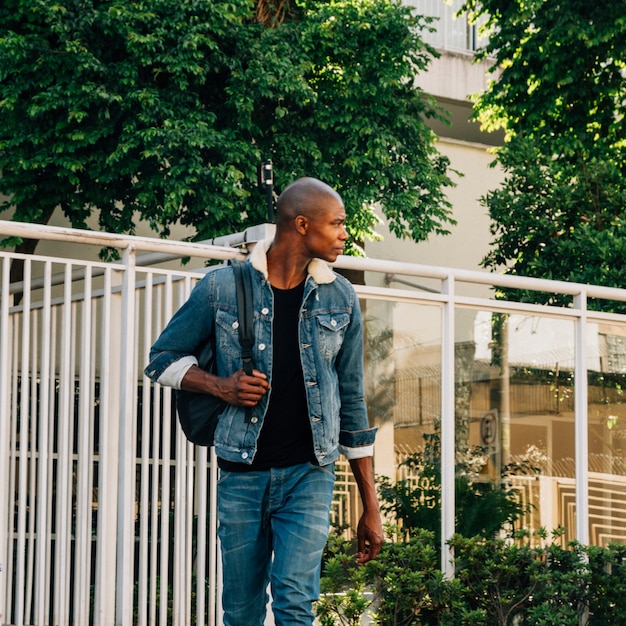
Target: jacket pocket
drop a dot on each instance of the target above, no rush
(330, 331)
(227, 335)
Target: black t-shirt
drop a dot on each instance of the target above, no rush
(285, 437)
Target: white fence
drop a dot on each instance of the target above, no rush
(110, 510)
(107, 512)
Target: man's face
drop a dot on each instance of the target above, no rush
(326, 235)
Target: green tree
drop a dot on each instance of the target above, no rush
(160, 110)
(560, 80)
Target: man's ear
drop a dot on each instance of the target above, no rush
(302, 224)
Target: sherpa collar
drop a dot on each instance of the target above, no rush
(317, 268)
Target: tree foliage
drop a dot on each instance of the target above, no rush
(560, 95)
(161, 110)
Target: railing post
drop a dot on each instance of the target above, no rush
(45, 418)
(84, 495)
(126, 464)
(581, 429)
(447, 426)
(63, 516)
(25, 434)
(5, 374)
(111, 354)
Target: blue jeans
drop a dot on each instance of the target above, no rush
(273, 526)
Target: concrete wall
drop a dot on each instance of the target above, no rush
(469, 240)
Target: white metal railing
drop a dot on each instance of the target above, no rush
(106, 510)
(100, 485)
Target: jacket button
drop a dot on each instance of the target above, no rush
(261, 346)
(254, 420)
(244, 455)
(265, 310)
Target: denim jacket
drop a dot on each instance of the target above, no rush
(331, 352)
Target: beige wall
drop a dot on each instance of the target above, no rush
(454, 76)
(469, 240)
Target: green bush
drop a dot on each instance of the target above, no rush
(343, 600)
(607, 585)
(512, 581)
(502, 577)
(523, 579)
(402, 586)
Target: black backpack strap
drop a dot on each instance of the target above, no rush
(245, 313)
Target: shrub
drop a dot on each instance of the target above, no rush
(524, 579)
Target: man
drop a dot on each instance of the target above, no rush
(285, 425)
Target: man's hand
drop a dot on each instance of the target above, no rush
(243, 390)
(238, 388)
(370, 537)
(370, 529)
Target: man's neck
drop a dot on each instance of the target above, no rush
(285, 268)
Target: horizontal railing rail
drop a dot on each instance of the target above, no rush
(179, 249)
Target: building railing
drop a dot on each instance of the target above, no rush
(108, 513)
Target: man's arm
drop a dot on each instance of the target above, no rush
(238, 389)
(369, 530)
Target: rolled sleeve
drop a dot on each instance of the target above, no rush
(357, 444)
(356, 453)
(185, 339)
(174, 374)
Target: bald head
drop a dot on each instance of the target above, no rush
(311, 224)
(304, 196)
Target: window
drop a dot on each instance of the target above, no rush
(453, 32)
